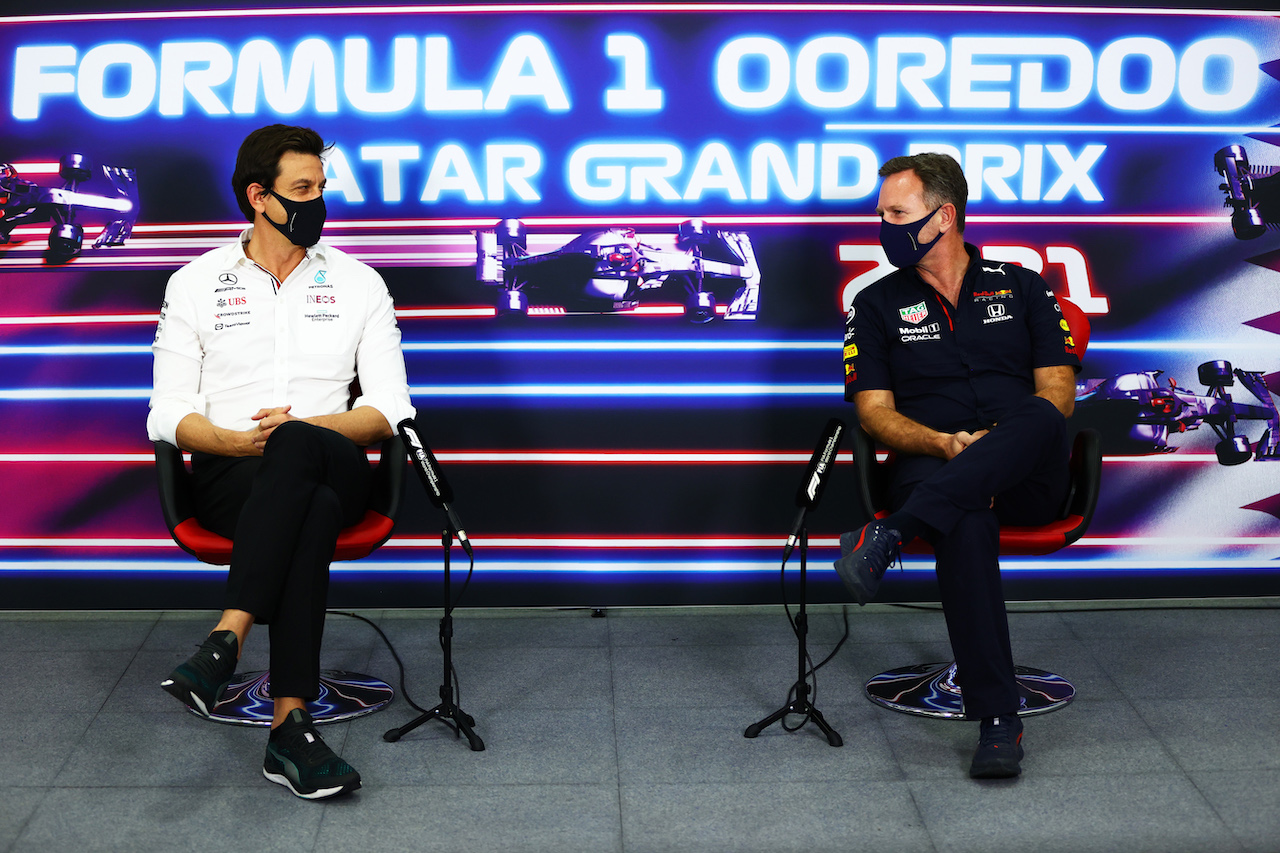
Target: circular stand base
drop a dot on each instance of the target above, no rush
(343, 696)
(930, 690)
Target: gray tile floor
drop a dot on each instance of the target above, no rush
(625, 733)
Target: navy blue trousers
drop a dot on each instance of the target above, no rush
(283, 512)
(1023, 464)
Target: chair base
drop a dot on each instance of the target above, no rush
(343, 696)
(930, 690)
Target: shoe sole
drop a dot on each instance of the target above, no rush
(998, 770)
(318, 794)
(992, 771)
(186, 696)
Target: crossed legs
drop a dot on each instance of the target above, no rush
(1016, 474)
(283, 512)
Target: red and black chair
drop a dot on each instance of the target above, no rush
(930, 689)
(343, 694)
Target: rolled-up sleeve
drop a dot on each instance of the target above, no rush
(380, 362)
(175, 385)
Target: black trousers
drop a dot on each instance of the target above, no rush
(1023, 463)
(283, 512)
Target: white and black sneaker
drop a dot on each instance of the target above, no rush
(298, 759)
(198, 682)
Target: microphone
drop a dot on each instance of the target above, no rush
(424, 462)
(815, 478)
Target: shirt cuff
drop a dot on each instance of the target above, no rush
(393, 407)
(164, 417)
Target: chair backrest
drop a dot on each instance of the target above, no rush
(1082, 496)
(1077, 323)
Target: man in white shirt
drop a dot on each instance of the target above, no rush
(256, 352)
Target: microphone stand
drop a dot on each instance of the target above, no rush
(800, 704)
(447, 711)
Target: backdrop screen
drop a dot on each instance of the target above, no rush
(621, 242)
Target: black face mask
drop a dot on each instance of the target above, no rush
(304, 220)
(901, 243)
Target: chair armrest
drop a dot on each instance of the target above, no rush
(867, 476)
(388, 478)
(1086, 479)
(176, 501)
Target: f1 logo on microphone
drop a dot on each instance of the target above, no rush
(816, 480)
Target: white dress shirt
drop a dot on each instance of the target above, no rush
(232, 340)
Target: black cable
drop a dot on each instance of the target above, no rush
(457, 684)
(391, 648)
(811, 674)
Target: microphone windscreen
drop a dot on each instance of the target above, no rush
(424, 462)
(820, 464)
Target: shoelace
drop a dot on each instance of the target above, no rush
(997, 734)
(307, 745)
(212, 665)
(883, 535)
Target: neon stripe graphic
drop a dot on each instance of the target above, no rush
(599, 457)
(674, 543)
(713, 569)
(639, 390)
(630, 7)
(554, 346)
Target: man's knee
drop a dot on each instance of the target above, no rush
(1044, 416)
(295, 449)
(326, 508)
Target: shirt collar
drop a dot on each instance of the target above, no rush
(316, 251)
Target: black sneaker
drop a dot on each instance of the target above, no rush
(298, 759)
(198, 682)
(866, 554)
(999, 748)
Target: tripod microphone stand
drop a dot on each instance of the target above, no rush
(424, 462)
(806, 498)
(448, 710)
(800, 704)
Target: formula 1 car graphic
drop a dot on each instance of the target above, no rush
(112, 189)
(1135, 414)
(1253, 192)
(613, 269)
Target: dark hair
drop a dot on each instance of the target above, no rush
(942, 177)
(258, 161)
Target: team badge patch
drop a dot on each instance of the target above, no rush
(914, 313)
